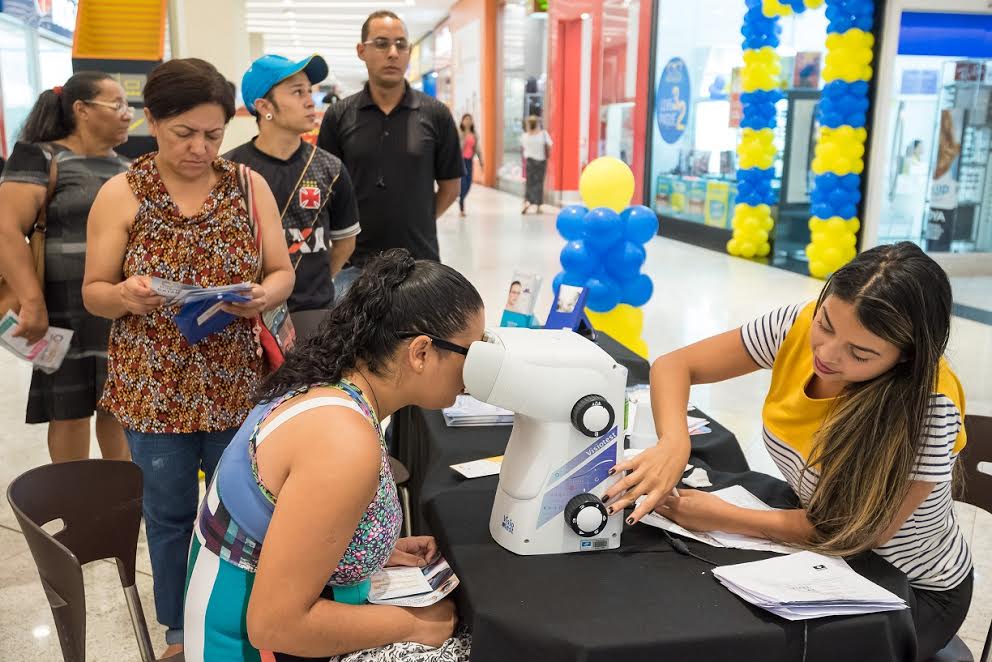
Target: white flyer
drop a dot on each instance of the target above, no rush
(47, 354)
(479, 468)
(179, 293)
(401, 586)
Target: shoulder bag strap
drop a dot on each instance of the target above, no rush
(41, 221)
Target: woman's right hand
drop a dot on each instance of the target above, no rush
(653, 474)
(434, 625)
(138, 297)
(34, 321)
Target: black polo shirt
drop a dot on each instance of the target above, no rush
(394, 161)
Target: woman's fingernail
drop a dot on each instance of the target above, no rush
(606, 497)
(609, 511)
(611, 472)
(630, 520)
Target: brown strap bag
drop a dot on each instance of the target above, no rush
(8, 299)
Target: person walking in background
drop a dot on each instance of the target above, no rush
(311, 186)
(180, 214)
(396, 143)
(536, 145)
(65, 154)
(470, 150)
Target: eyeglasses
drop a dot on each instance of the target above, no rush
(120, 107)
(440, 343)
(383, 44)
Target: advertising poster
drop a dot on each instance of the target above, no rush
(672, 101)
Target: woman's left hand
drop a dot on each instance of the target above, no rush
(251, 308)
(415, 551)
(696, 510)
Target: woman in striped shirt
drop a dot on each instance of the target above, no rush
(864, 418)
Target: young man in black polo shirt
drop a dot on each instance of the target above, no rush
(311, 186)
(396, 142)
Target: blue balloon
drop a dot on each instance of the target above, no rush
(571, 222)
(640, 224)
(604, 294)
(603, 228)
(577, 258)
(624, 264)
(637, 291)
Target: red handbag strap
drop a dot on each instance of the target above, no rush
(244, 178)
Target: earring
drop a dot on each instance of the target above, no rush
(268, 116)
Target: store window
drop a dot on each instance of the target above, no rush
(525, 37)
(695, 125)
(54, 62)
(18, 92)
(938, 179)
(619, 88)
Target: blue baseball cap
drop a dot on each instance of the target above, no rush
(269, 70)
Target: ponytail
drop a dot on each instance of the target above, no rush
(394, 295)
(53, 117)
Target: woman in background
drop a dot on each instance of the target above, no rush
(536, 145)
(76, 126)
(470, 150)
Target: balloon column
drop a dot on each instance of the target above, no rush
(605, 251)
(838, 158)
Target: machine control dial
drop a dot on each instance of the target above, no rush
(586, 515)
(592, 415)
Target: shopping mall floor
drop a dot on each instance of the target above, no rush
(697, 293)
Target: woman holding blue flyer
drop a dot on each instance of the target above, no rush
(180, 217)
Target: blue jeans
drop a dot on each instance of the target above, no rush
(344, 280)
(466, 183)
(170, 463)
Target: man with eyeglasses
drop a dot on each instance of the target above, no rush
(396, 142)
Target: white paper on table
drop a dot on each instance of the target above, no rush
(479, 468)
(698, 478)
(738, 496)
(806, 585)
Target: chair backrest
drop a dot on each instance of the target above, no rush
(99, 503)
(976, 459)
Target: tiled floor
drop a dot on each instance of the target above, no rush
(698, 293)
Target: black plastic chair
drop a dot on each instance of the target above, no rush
(976, 460)
(99, 503)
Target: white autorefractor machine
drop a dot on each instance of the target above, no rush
(568, 397)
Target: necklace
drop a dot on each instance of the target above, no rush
(375, 399)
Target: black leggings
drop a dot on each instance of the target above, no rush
(938, 615)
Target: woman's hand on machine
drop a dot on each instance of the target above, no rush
(415, 551)
(652, 474)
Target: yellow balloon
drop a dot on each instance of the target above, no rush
(818, 269)
(607, 182)
(764, 249)
(733, 247)
(640, 347)
(748, 249)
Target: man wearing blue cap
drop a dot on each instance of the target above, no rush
(311, 186)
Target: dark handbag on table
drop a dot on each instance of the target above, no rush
(8, 298)
(273, 329)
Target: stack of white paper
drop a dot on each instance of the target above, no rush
(738, 496)
(469, 412)
(413, 587)
(806, 585)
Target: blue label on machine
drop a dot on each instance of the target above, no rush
(599, 457)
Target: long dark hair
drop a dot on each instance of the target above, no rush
(867, 447)
(471, 125)
(394, 294)
(52, 117)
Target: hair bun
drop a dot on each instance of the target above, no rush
(392, 266)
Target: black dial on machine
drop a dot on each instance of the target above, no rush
(586, 515)
(593, 415)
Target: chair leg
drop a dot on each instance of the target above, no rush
(139, 623)
(405, 502)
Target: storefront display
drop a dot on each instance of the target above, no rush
(35, 54)
(708, 100)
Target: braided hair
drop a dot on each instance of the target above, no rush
(394, 295)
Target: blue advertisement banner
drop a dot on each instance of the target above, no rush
(672, 100)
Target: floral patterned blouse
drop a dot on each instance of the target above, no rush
(157, 382)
